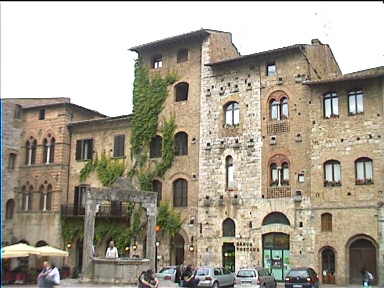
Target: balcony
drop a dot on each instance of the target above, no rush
(278, 192)
(278, 127)
(104, 210)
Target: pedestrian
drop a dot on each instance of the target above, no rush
(49, 276)
(367, 277)
(112, 251)
(147, 279)
(178, 275)
(189, 277)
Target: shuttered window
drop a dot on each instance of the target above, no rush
(84, 149)
(119, 146)
(180, 193)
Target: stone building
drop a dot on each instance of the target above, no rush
(279, 159)
(346, 154)
(36, 178)
(184, 55)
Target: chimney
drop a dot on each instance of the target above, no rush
(316, 42)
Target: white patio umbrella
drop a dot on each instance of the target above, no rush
(51, 251)
(18, 250)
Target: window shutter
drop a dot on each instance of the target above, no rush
(90, 149)
(116, 146)
(122, 145)
(76, 196)
(49, 201)
(41, 201)
(78, 150)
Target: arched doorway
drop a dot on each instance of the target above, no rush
(276, 254)
(177, 252)
(362, 254)
(328, 267)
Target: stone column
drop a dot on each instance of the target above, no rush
(151, 234)
(380, 266)
(89, 229)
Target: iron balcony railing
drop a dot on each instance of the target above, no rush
(102, 210)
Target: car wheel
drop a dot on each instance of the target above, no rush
(215, 285)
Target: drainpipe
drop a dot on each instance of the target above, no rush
(69, 160)
(380, 220)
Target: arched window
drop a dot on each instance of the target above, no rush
(326, 222)
(279, 176)
(9, 209)
(30, 151)
(49, 197)
(229, 228)
(12, 161)
(284, 108)
(276, 218)
(51, 153)
(181, 144)
(232, 114)
(157, 187)
(181, 91)
(180, 193)
(43, 198)
(332, 173)
(284, 174)
(364, 171)
(49, 150)
(275, 110)
(45, 151)
(274, 175)
(155, 147)
(229, 172)
(331, 105)
(27, 198)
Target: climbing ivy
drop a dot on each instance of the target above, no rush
(168, 220)
(107, 169)
(122, 232)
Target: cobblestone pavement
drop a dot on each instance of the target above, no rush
(163, 284)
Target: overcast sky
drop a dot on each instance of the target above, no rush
(80, 49)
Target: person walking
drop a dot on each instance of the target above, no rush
(112, 251)
(367, 277)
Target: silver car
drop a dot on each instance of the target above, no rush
(215, 277)
(166, 273)
(254, 277)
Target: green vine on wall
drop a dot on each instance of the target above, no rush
(107, 169)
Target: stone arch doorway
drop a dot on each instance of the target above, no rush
(362, 254)
(328, 265)
(276, 254)
(177, 250)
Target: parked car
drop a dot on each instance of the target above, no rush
(302, 277)
(254, 277)
(215, 277)
(166, 273)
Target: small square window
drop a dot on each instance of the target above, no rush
(271, 69)
(42, 114)
(301, 177)
(157, 62)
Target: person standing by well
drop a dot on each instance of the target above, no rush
(112, 251)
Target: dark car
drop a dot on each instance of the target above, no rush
(302, 277)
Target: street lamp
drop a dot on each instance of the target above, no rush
(156, 257)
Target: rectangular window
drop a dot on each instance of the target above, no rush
(84, 149)
(228, 117)
(360, 171)
(119, 146)
(157, 62)
(355, 102)
(17, 111)
(11, 161)
(331, 105)
(271, 69)
(42, 114)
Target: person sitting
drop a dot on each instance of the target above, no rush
(49, 276)
(189, 277)
(147, 279)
